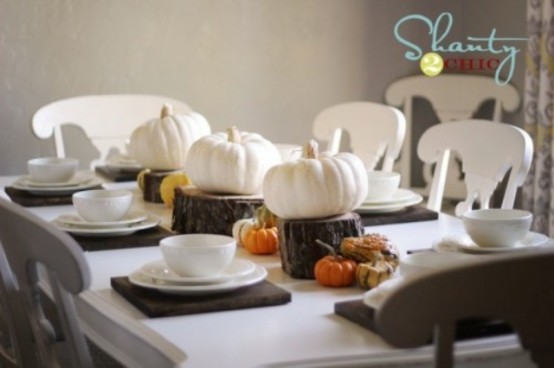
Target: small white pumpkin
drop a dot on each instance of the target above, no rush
(162, 144)
(241, 228)
(315, 187)
(232, 163)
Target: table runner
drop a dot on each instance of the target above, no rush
(157, 304)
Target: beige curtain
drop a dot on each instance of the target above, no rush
(538, 193)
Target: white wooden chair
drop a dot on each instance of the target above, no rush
(513, 288)
(453, 97)
(36, 256)
(376, 130)
(107, 120)
(487, 149)
(28, 242)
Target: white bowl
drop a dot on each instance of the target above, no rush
(497, 227)
(419, 263)
(102, 204)
(52, 169)
(198, 255)
(381, 184)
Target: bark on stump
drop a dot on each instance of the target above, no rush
(300, 252)
(195, 211)
(152, 181)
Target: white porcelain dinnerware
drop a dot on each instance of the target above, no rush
(127, 229)
(399, 196)
(74, 181)
(198, 255)
(392, 205)
(463, 243)
(416, 264)
(52, 169)
(121, 161)
(73, 219)
(381, 184)
(497, 227)
(78, 183)
(140, 279)
(102, 204)
(160, 271)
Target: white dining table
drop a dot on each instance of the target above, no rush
(302, 333)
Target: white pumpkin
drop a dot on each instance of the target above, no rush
(315, 187)
(233, 162)
(162, 144)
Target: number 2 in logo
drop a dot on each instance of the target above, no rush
(431, 64)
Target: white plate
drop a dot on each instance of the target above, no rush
(399, 196)
(140, 279)
(75, 181)
(90, 182)
(158, 270)
(122, 162)
(150, 222)
(73, 219)
(463, 243)
(392, 207)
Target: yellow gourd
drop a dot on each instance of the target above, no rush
(168, 185)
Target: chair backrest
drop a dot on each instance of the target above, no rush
(376, 130)
(487, 149)
(453, 97)
(108, 120)
(10, 354)
(27, 242)
(514, 288)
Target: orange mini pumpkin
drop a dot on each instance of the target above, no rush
(262, 240)
(334, 270)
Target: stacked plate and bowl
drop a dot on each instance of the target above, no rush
(104, 212)
(198, 264)
(53, 176)
(384, 194)
(494, 230)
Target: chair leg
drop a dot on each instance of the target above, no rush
(444, 345)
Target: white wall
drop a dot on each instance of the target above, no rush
(263, 65)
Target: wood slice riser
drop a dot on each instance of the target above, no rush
(300, 252)
(198, 212)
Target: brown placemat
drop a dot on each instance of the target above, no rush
(356, 311)
(142, 238)
(157, 304)
(27, 199)
(117, 174)
(408, 214)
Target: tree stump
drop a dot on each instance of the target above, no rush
(195, 211)
(300, 252)
(152, 181)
